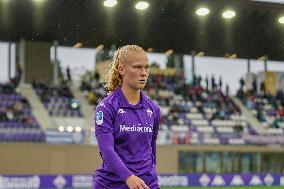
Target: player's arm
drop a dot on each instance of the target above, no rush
(155, 133)
(104, 134)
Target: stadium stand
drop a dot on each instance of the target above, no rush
(267, 108)
(17, 122)
(190, 113)
(58, 100)
(92, 89)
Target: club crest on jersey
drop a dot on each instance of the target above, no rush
(99, 118)
(121, 111)
(149, 112)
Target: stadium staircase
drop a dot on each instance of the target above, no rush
(248, 115)
(86, 109)
(38, 109)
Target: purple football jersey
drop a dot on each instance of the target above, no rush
(126, 136)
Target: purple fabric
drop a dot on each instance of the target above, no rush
(153, 144)
(155, 134)
(126, 135)
(110, 157)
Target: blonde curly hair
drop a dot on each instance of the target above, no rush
(121, 56)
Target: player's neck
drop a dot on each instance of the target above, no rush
(132, 96)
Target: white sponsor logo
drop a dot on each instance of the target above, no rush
(268, 179)
(121, 111)
(218, 181)
(59, 181)
(136, 128)
(204, 180)
(237, 181)
(102, 104)
(173, 181)
(19, 182)
(149, 112)
(82, 181)
(255, 181)
(282, 181)
(99, 118)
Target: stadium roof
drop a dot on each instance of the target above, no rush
(272, 1)
(166, 24)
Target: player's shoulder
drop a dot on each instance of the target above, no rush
(151, 102)
(109, 102)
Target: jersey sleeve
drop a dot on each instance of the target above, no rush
(155, 131)
(156, 122)
(104, 135)
(103, 119)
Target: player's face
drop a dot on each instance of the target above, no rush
(136, 71)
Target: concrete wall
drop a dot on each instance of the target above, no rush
(25, 158)
(37, 61)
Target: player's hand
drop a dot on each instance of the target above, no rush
(134, 182)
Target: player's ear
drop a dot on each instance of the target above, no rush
(121, 69)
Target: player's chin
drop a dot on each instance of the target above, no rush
(140, 86)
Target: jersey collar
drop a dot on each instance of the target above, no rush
(125, 104)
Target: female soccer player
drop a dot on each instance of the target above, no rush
(126, 125)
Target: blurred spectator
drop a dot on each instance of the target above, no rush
(68, 74)
(97, 76)
(199, 79)
(242, 83)
(276, 122)
(10, 113)
(3, 116)
(199, 106)
(213, 83)
(227, 90)
(262, 88)
(280, 111)
(18, 75)
(254, 85)
(238, 129)
(207, 83)
(260, 115)
(220, 82)
(7, 88)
